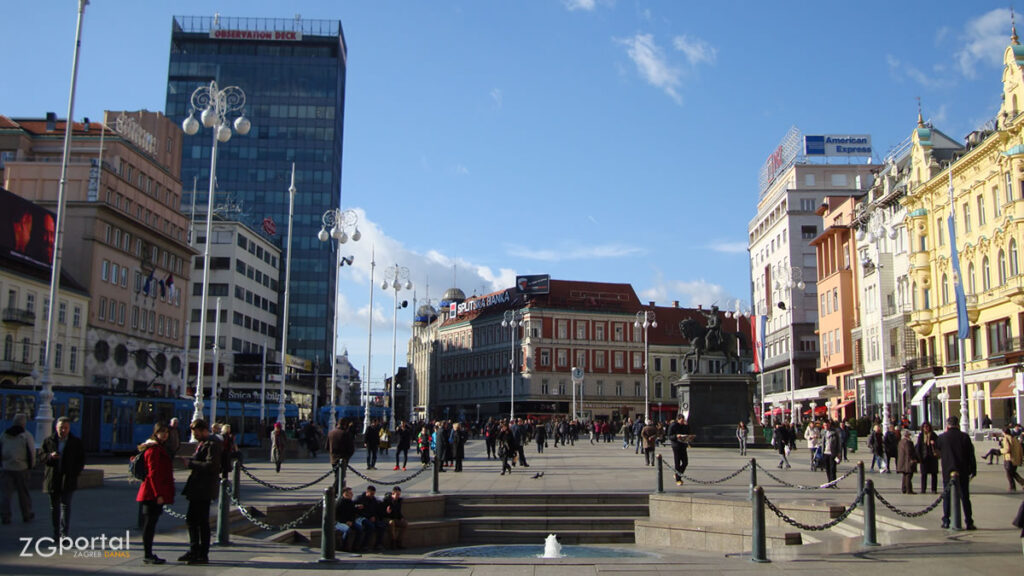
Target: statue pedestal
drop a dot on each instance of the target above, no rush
(715, 404)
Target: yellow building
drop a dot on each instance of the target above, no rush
(987, 179)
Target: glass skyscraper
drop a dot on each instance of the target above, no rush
(293, 74)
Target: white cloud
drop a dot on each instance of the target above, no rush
(690, 293)
(985, 39)
(652, 64)
(497, 97)
(905, 71)
(461, 170)
(585, 5)
(569, 252)
(697, 51)
(728, 247)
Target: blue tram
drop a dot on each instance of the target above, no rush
(351, 412)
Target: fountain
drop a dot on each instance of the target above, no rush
(552, 549)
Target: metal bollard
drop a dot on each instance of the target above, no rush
(661, 479)
(870, 535)
(327, 527)
(860, 477)
(954, 502)
(223, 511)
(339, 477)
(435, 486)
(236, 478)
(753, 477)
(758, 546)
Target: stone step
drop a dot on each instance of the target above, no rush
(470, 526)
(525, 536)
(460, 509)
(711, 536)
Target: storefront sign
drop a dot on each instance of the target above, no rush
(838, 145)
(483, 302)
(280, 35)
(134, 132)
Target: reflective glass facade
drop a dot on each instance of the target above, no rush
(293, 76)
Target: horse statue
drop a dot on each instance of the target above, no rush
(705, 339)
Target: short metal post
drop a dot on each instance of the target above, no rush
(954, 502)
(223, 511)
(339, 476)
(661, 479)
(435, 486)
(870, 535)
(860, 477)
(753, 477)
(758, 546)
(236, 478)
(327, 527)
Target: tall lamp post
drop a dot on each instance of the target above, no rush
(645, 319)
(339, 222)
(397, 278)
(287, 280)
(876, 232)
(788, 278)
(216, 104)
(513, 320)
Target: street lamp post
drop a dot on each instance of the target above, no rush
(876, 232)
(645, 319)
(287, 293)
(216, 104)
(513, 320)
(338, 221)
(943, 397)
(397, 278)
(787, 278)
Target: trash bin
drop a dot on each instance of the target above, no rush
(851, 440)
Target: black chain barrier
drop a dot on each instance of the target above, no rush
(710, 482)
(835, 482)
(918, 514)
(816, 528)
(390, 482)
(270, 527)
(288, 488)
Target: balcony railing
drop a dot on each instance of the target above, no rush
(20, 316)
(12, 367)
(919, 362)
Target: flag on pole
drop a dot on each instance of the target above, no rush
(758, 329)
(958, 286)
(170, 285)
(149, 283)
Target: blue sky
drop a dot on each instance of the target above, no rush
(601, 140)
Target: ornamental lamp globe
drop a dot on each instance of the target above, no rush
(209, 117)
(190, 125)
(242, 125)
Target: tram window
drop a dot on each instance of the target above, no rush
(108, 411)
(21, 403)
(143, 412)
(163, 412)
(74, 409)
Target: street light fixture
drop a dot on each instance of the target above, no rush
(339, 222)
(397, 278)
(943, 397)
(216, 104)
(645, 319)
(789, 278)
(513, 320)
(875, 232)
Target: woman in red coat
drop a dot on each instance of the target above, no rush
(158, 487)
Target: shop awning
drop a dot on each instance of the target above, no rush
(842, 405)
(818, 411)
(923, 391)
(1003, 389)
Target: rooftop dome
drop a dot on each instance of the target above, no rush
(454, 295)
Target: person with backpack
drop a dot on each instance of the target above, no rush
(154, 467)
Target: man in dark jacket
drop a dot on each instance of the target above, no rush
(397, 523)
(64, 457)
(347, 521)
(341, 445)
(891, 442)
(369, 510)
(957, 455)
(201, 489)
(679, 438)
(371, 441)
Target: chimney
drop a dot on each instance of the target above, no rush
(675, 303)
(86, 125)
(51, 121)
(700, 306)
(652, 304)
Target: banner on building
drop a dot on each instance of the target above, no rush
(27, 230)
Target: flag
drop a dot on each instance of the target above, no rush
(149, 282)
(163, 289)
(758, 329)
(962, 328)
(170, 285)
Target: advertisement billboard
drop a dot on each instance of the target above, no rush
(26, 230)
(837, 145)
(533, 284)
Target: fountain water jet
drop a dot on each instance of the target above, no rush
(552, 549)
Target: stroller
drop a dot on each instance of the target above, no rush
(817, 459)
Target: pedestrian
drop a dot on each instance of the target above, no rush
(403, 440)
(200, 490)
(229, 450)
(369, 510)
(490, 438)
(680, 437)
(957, 455)
(928, 455)
(341, 444)
(505, 448)
(346, 521)
(891, 442)
(638, 427)
(830, 451)
(423, 444)
(173, 438)
(741, 437)
(648, 437)
(780, 441)
(813, 437)
(1013, 454)
(396, 521)
(844, 438)
(385, 439)
(157, 490)
(906, 461)
(457, 439)
(876, 443)
(627, 432)
(64, 457)
(18, 453)
(277, 443)
(541, 437)
(371, 441)
(519, 438)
